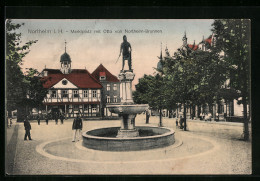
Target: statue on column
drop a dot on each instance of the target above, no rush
(126, 50)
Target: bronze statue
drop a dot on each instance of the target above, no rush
(127, 50)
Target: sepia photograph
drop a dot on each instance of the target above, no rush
(128, 97)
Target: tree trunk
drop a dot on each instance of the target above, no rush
(160, 117)
(246, 130)
(184, 117)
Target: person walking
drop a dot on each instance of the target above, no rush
(47, 118)
(27, 127)
(147, 116)
(56, 118)
(77, 127)
(39, 120)
(61, 118)
(181, 122)
(177, 123)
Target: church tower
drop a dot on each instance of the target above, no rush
(65, 62)
(184, 39)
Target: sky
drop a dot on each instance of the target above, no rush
(88, 48)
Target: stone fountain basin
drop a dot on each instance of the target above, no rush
(150, 138)
(127, 109)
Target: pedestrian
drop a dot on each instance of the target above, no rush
(77, 127)
(217, 116)
(147, 116)
(177, 125)
(61, 118)
(27, 127)
(39, 120)
(210, 116)
(56, 118)
(181, 122)
(201, 116)
(47, 118)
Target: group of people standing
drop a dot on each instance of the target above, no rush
(48, 117)
(205, 117)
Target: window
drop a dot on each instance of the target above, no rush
(94, 93)
(85, 93)
(102, 78)
(115, 87)
(75, 93)
(54, 94)
(115, 98)
(64, 82)
(108, 99)
(108, 87)
(64, 93)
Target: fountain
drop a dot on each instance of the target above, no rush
(128, 137)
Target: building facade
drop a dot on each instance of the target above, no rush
(71, 91)
(110, 93)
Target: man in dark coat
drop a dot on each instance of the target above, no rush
(56, 115)
(77, 127)
(147, 116)
(47, 118)
(61, 118)
(27, 127)
(38, 119)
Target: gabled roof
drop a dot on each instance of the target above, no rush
(79, 77)
(209, 39)
(193, 47)
(109, 77)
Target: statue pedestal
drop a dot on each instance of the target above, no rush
(126, 78)
(128, 126)
(127, 109)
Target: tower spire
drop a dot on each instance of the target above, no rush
(65, 45)
(184, 39)
(161, 52)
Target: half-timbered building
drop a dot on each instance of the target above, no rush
(71, 91)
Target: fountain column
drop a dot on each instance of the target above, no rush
(128, 122)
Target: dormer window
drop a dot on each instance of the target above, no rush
(102, 76)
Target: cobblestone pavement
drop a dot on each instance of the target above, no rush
(207, 148)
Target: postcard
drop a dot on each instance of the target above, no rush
(128, 97)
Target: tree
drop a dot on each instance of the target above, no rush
(34, 88)
(233, 38)
(150, 90)
(15, 52)
(194, 77)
